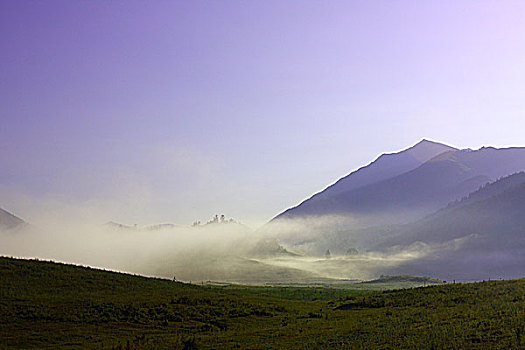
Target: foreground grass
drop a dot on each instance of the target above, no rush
(46, 305)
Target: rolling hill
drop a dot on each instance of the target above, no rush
(47, 305)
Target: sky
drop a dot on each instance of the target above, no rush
(173, 111)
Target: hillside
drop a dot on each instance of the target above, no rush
(491, 189)
(497, 218)
(481, 236)
(46, 305)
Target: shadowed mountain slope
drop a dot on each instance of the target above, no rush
(494, 214)
(472, 239)
(491, 189)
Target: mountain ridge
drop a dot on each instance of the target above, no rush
(383, 167)
(441, 179)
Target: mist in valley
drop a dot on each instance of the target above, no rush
(297, 251)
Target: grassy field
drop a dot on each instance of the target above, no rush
(45, 305)
(326, 291)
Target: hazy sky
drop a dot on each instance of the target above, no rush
(171, 111)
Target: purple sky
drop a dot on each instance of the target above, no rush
(171, 111)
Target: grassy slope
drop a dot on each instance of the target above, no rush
(48, 306)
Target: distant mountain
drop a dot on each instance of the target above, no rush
(386, 166)
(343, 219)
(159, 227)
(481, 236)
(9, 221)
(117, 226)
(415, 193)
(156, 227)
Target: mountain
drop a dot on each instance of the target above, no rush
(490, 189)
(339, 220)
(385, 166)
(481, 236)
(9, 221)
(494, 212)
(112, 225)
(117, 226)
(417, 192)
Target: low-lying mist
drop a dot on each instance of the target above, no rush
(314, 234)
(217, 251)
(126, 249)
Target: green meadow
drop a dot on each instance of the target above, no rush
(46, 305)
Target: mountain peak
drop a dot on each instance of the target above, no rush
(425, 149)
(386, 166)
(427, 141)
(430, 143)
(423, 141)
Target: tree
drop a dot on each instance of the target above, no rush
(352, 251)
